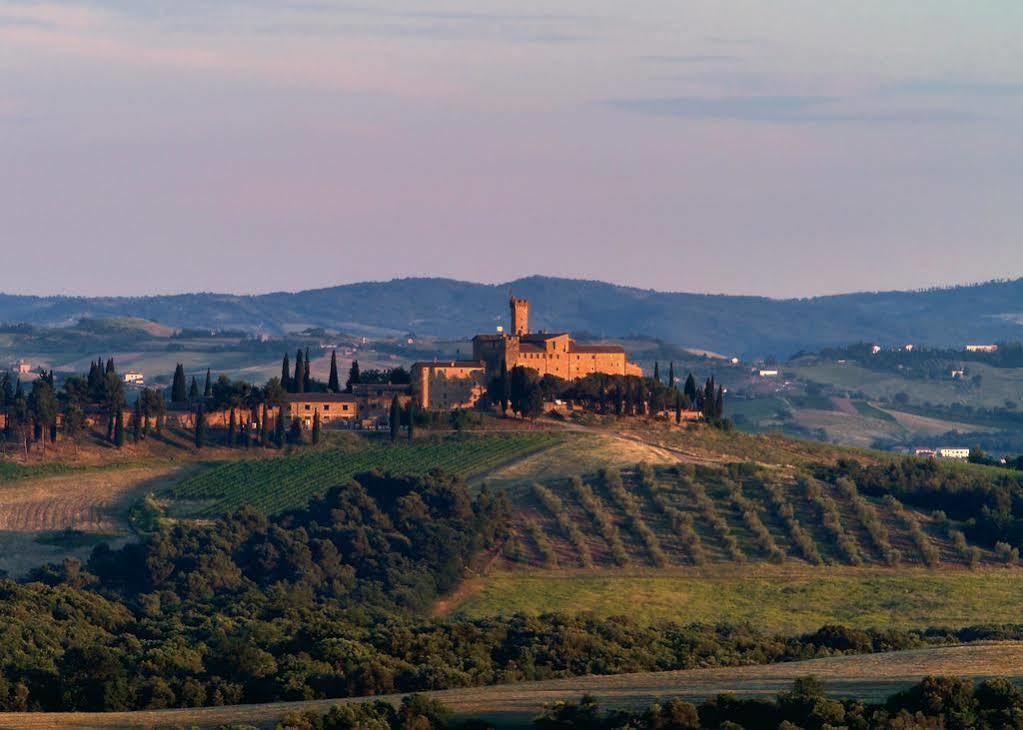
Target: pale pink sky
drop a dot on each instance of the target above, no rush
(747, 147)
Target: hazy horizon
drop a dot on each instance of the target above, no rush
(739, 148)
(942, 286)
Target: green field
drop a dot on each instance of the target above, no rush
(785, 600)
(280, 483)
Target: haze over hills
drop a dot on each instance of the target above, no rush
(743, 325)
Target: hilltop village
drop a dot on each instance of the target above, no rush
(516, 372)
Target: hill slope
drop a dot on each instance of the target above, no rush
(732, 324)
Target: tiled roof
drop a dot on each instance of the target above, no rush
(596, 349)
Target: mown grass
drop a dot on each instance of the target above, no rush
(786, 600)
(865, 409)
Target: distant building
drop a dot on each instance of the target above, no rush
(953, 452)
(982, 348)
(931, 453)
(332, 407)
(875, 349)
(548, 354)
(21, 367)
(768, 373)
(133, 377)
(958, 374)
(374, 400)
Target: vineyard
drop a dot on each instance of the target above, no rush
(280, 483)
(690, 516)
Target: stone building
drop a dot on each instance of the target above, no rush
(448, 385)
(332, 407)
(547, 353)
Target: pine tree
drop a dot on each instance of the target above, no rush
(279, 428)
(179, 387)
(353, 376)
(286, 374)
(232, 428)
(200, 427)
(298, 381)
(264, 427)
(207, 391)
(395, 418)
(119, 428)
(316, 427)
(411, 419)
(333, 383)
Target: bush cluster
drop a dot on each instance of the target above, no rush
(785, 512)
(628, 503)
(556, 507)
(602, 519)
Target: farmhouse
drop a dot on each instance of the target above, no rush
(374, 399)
(448, 385)
(332, 407)
(982, 348)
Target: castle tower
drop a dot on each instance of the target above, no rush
(519, 316)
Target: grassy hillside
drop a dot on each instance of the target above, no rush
(442, 307)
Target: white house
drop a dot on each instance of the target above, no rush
(982, 348)
(768, 373)
(133, 377)
(953, 452)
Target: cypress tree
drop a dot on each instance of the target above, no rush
(333, 383)
(232, 427)
(264, 427)
(411, 419)
(286, 374)
(353, 376)
(678, 407)
(690, 388)
(136, 422)
(307, 372)
(279, 428)
(193, 392)
(657, 371)
(200, 427)
(119, 428)
(110, 369)
(207, 391)
(671, 375)
(316, 427)
(179, 387)
(505, 387)
(719, 404)
(395, 418)
(298, 381)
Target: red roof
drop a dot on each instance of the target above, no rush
(319, 398)
(449, 364)
(596, 349)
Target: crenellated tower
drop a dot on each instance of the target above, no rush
(519, 316)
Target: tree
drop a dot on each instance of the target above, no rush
(333, 383)
(264, 427)
(395, 418)
(298, 380)
(526, 397)
(719, 404)
(353, 376)
(306, 372)
(316, 427)
(179, 386)
(678, 407)
(671, 375)
(74, 424)
(136, 421)
(689, 390)
(411, 419)
(505, 387)
(286, 374)
(232, 428)
(657, 371)
(279, 428)
(42, 404)
(295, 432)
(200, 427)
(119, 428)
(193, 392)
(207, 391)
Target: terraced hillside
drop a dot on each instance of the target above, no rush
(693, 516)
(279, 483)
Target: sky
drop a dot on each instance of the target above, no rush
(776, 147)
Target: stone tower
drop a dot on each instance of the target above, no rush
(519, 316)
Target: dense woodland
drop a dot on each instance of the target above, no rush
(935, 702)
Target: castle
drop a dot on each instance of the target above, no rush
(547, 353)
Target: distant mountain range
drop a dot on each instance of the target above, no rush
(741, 325)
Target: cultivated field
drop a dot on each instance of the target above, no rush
(275, 484)
(870, 677)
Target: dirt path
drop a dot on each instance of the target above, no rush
(871, 677)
